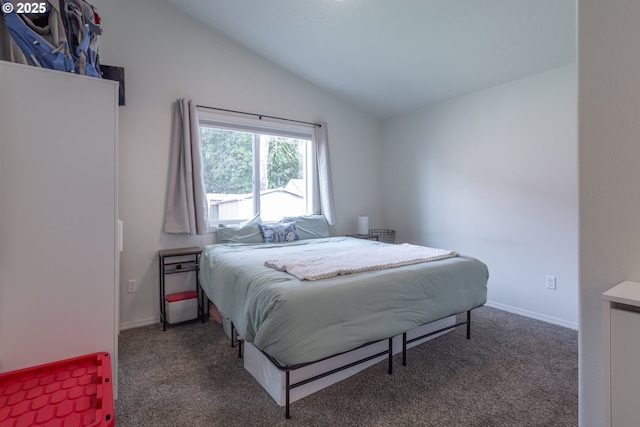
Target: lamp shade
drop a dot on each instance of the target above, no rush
(363, 225)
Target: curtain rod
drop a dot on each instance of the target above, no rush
(260, 116)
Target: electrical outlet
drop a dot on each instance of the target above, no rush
(132, 286)
(551, 282)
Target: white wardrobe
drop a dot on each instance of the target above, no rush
(59, 228)
(621, 336)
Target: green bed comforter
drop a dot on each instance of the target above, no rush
(298, 322)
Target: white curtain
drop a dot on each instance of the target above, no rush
(186, 209)
(324, 172)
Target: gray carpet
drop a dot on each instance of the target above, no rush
(514, 371)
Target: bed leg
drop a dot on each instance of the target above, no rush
(201, 303)
(469, 324)
(240, 342)
(390, 356)
(404, 349)
(287, 414)
(233, 335)
(233, 332)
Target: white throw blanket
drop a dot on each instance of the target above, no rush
(314, 267)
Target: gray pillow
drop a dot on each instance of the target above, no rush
(309, 226)
(245, 232)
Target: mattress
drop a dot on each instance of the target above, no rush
(297, 322)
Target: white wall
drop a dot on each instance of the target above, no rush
(609, 129)
(168, 55)
(494, 175)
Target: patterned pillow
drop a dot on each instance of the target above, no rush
(281, 232)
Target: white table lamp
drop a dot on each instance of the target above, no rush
(363, 225)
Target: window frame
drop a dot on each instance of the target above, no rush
(272, 127)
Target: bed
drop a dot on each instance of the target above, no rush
(292, 323)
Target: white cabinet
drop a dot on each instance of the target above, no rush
(59, 228)
(622, 354)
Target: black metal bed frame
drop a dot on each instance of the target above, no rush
(389, 352)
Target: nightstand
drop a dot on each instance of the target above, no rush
(364, 236)
(178, 307)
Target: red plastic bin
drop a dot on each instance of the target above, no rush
(74, 392)
(181, 296)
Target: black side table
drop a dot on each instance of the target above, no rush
(171, 266)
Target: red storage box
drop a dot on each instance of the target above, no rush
(73, 392)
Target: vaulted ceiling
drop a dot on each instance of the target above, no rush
(388, 57)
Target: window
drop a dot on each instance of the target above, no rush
(255, 166)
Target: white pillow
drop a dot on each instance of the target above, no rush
(309, 226)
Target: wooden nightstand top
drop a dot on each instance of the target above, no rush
(180, 251)
(364, 236)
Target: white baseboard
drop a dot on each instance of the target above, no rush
(533, 315)
(140, 322)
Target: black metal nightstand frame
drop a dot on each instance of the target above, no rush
(177, 267)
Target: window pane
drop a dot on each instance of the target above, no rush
(240, 165)
(227, 158)
(283, 177)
